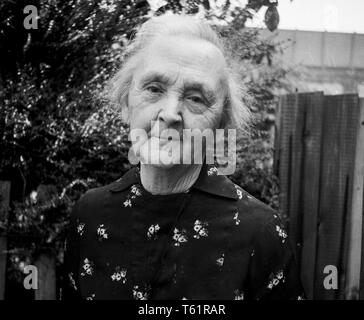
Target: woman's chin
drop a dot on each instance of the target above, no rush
(163, 159)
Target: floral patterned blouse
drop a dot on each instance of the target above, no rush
(213, 242)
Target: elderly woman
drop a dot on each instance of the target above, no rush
(175, 230)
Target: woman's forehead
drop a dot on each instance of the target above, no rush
(176, 57)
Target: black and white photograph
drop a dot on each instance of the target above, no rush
(204, 150)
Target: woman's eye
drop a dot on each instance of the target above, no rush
(196, 99)
(154, 89)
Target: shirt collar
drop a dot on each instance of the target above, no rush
(208, 181)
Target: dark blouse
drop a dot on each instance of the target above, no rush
(213, 242)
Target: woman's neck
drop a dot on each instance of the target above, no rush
(176, 179)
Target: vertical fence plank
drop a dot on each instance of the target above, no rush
(4, 208)
(297, 121)
(287, 113)
(338, 147)
(348, 138)
(310, 189)
(46, 265)
(357, 211)
(330, 201)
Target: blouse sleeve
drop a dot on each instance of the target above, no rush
(70, 283)
(273, 269)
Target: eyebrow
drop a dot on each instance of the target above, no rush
(156, 77)
(161, 78)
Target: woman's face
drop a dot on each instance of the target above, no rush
(179, 84)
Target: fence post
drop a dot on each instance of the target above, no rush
(4, 209)
(356, 214)
(46, 265)
(310, 189)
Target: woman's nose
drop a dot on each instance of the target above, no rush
(171, 113)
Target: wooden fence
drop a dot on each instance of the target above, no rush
(45, 263)
(319, 159)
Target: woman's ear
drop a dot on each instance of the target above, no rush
(124, 100)
(125, 112)
(225, 114)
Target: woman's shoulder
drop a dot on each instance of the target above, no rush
(90, 202)
(253, 210)
(221, 188)
(95, 200)
(262, 223)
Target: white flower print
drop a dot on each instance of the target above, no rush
(81, 228)
(134, 192)
(152, 230)
(220, 261)
(238, 295)
(87, 268)
(91, 297)
(281, 233)
(252, 253)
(236, 218)
(275, 279)
(212, 171)
(101, 232)
(179, 237)
(201, 229)
(119, 275)
(301, 297)
(127, 203)
(239, 192)
(138, 294)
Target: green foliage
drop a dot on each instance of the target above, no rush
(57, 139)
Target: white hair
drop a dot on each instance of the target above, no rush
(235, 113)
